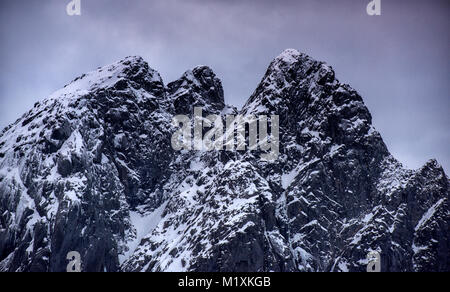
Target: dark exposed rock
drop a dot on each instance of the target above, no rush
(197, 88)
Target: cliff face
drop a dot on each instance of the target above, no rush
(91, 169)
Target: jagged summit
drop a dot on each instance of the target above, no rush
(131, 69)
(99, 91)
(198, 87)
(288, 56)
(286, 77)
(290, 61)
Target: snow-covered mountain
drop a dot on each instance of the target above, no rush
(91, 169)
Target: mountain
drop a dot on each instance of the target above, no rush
(91, 169)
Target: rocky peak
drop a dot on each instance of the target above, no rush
(131, 72)
(314, 107)
(291, 64)
(198, 87)
(290, 78)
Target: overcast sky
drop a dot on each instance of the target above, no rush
(399, 61)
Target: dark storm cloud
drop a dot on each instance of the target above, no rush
(399, 61)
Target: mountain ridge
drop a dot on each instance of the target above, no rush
(94, 172)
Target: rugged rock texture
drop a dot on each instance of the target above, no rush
(91, 169)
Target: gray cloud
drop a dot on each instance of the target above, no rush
(398, 62)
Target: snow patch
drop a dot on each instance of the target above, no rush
(144, 225)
